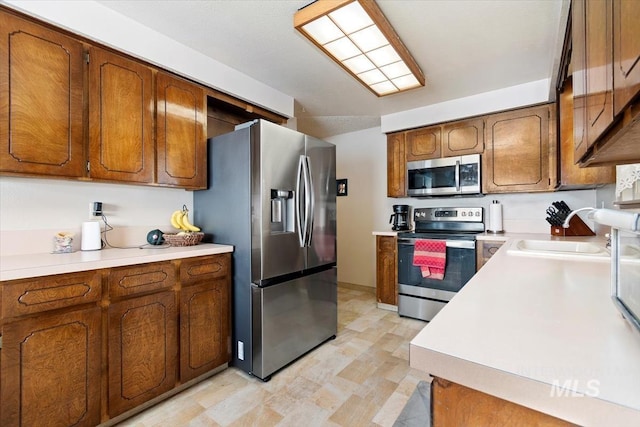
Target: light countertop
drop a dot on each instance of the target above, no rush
(385, 233)
(542, 333)
(45, 264)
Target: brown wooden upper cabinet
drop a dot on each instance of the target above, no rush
(571, 176)
(598, 71)
(626, 52)
(60, 117)
(120, 118)
(519, 154)
(396, 165)
(423, 143)
(181, 128)
(41, 100)
(606, 80)
(463, 137)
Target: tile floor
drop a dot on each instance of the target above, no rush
(362, 378)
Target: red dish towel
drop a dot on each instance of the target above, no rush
(431, 257)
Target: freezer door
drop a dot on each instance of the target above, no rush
(291, 318)
(322, 165)
(276, 249)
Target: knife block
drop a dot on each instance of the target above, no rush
(577, 227)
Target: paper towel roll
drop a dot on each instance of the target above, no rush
(91, 237)
(495, 217)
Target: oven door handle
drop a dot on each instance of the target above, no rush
(462, 244)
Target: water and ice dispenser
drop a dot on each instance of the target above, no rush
(282, 211)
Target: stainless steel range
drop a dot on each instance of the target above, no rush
(423, 297)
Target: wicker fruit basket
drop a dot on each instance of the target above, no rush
(186, 239)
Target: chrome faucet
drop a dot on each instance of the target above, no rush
(568, 218)
(613, 218)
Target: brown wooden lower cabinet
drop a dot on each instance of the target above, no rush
(143, 350)
(81, 348)
(456, 405)
(204, 328)
(485, 250)
(51, 370)
(387, 270)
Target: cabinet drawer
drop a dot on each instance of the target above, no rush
(488, 249)
(141, 278)
(21, 297)
(197, 270)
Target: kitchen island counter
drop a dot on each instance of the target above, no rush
(540, 332)
(44, 264)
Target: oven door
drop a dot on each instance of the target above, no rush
(422, 298)
(460, 266)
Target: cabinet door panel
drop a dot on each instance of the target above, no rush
(180, 142)
(423, 144)
(51, 370)
(626, 52)
(599, 79)
(204, 328)
(142, 350)
(396, 165)
(41, 112)
(463, 137)
(518, 155)
(579, 64)
(120, 118)
(386, 270)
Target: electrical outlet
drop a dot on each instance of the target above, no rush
(95, 208)
(240, 350)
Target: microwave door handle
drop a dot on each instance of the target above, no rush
(457, 176)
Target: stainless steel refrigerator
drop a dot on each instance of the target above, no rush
(272, 195)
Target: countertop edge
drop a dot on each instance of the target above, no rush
(579, 409)
(38, 265)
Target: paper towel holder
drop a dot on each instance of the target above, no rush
(491, 217)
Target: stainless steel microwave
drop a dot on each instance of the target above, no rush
(448, 176)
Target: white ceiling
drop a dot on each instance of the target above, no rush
(464, 47)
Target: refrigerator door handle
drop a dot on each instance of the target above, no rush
(312, 204)
(301, 229)
(305, 175)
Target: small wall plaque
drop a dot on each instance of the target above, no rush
(342, 187)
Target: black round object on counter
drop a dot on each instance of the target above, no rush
(154, 237)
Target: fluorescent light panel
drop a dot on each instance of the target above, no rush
(356, 35)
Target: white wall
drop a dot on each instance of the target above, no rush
(362, 160)
(97, 22)
(523, 95)
(33, 210)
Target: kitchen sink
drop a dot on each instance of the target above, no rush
(569, 249)
(559, 249)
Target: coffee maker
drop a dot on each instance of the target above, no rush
(400, 218)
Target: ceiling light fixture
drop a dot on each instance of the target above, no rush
(356, 35)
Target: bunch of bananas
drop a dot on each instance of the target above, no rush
(180, 220)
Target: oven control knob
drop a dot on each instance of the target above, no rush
(464, 214)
